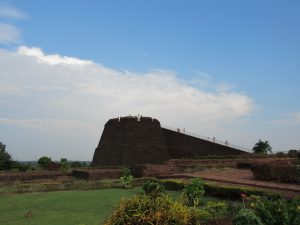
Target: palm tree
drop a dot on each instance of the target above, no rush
(262, 147)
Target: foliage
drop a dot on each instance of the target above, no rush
(280, 154)
(44, 162)
(126, 178)
(246, 217)
(78, 164)
(293, 153)
(216, 209)
(274, 211)
(193, 192)
(143, 210)
(280, 172)
(64, 164)
(153, 189)
(6, 162)
(262, 147)
(23, 166)
(234, 193)
(172, 185)
(294, 211)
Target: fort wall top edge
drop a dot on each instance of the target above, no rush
(131, 119)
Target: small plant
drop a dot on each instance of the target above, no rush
(193, 192)
(246, 217)
(143, 210)
(126, 178)
(217, 210)
(153, 189)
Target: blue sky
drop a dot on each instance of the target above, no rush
(241, 59)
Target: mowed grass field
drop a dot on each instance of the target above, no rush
(61, 208)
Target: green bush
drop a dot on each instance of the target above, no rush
(64, 164)
(153, 189)
(280, 172)
(234, 193)
(193, 192)
(246, 217)
(293, 153)
(172, 185)
(217, 210)
(277, 212)
(44, 162)
(280, 154)
(126, 178)
(294, 211)
(143, 210)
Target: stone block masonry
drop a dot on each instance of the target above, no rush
(141, 140)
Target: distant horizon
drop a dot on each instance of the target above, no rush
(225, 69)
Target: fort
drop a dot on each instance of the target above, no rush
(135, 140)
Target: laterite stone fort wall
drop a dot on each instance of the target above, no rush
(136, 141)
(129, 141)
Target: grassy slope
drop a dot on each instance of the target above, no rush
(61, 208)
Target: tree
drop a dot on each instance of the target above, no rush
(262, 147)
(44, 162)
(6, 162)
(64, 164)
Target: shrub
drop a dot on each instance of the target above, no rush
(293, 153)
(126, 178)
(172, 185)
(44, 162)
(276, 212)
(280, 154)
(279, 172)
(234, 193)
(246, 217)
(294, 211)
(153, 189)
(217, 210)
(143, 210)
(193, 192)
(64, 164)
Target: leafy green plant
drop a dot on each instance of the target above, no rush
(172, 185)
(294, 211)
(153, 189)
(143, 210)
(126, 178)
(193, 192)
(217, 210)
(271, 212)
(246, 217)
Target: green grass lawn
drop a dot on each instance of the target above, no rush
(61, 208)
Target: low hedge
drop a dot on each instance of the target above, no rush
(289, 173)
(225, 192)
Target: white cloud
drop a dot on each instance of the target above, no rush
(289, 119)
(11, 12)
(9, 34)
(61, 93)
(51, 59)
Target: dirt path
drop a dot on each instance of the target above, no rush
(244, 178)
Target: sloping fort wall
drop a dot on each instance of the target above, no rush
(135, 141)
